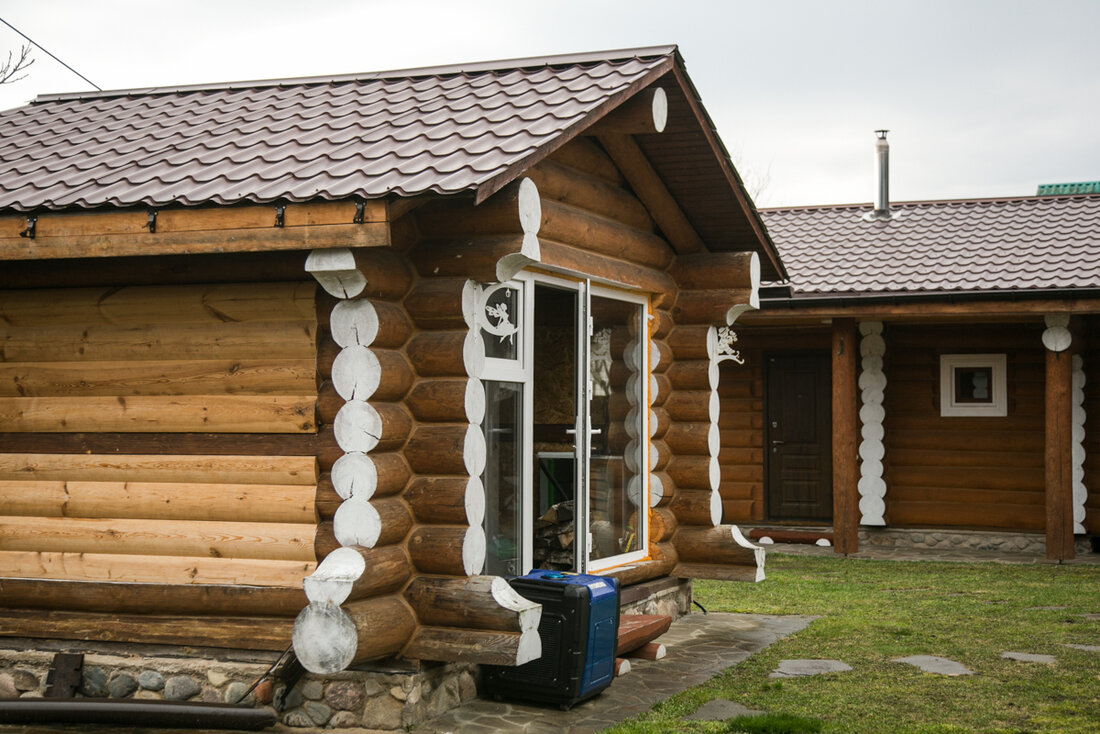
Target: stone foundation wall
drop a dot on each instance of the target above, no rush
(674, 601)
(989, 540)
(373, 699)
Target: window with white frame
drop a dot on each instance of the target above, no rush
(973, 385)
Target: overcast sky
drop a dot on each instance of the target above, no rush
(982, 97)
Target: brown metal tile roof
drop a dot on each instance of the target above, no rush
(971, 245)
(442, 130)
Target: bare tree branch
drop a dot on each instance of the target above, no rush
(9, 70)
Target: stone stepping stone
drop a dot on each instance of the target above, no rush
(1086, 648)
(1092, 617)
(1044, 609)
(1027, 657)
(798, 668)
(933, 664)
(721, 709)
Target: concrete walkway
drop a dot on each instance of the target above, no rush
(699, 647)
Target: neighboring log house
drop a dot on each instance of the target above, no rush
(928, 365)
(347, 349)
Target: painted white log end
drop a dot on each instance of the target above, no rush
(324, 639)
(660, 109)
(715, 508)
(651, 417)
(473, 551)
(356, 373)
(475, 501)
(872, 345)
(714, 407)
(654, 356)
(622, 667)
(714, 374)
(334, 578)
(712, 343)
(654, 454)
(528, 613)
(471, 295)
(473, 353)
(475, 401)
(872, 431)
(866, 328)
(529, 204)
(356, 522)
(630, 456)
(354, 322)
(656, 490)
(758, 552)
(631, 423)
(357, 426)
(529, 647)
(1057, 338)
(355, 475)
(715, 473)
(336, 272)
(872, 413)
(1056, 320)
(714, 440)
(530, 253)
(871, 450)
(654, 389)
(735, 311)
(823, 543)
(474, 453)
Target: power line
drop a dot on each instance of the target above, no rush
(40, 48)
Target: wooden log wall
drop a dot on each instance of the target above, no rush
(741, 431)
(964, 471)
(355, 610)
(1090, 357)
(157, 459)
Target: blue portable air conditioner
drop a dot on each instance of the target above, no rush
(579, 631)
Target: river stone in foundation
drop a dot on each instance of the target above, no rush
(797, 668)
(933, 664)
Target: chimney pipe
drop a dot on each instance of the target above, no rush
(882, 159)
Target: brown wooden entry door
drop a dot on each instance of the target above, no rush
(798, 434)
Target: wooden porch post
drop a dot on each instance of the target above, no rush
(1058, 439)
(845, 426)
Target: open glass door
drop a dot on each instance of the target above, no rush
(567, 466)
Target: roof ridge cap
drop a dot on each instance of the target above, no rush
(926, 202)
(413, 72)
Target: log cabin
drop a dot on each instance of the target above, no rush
(929, 366)
(317, 362)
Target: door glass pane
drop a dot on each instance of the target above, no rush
(617, 476)
(554, 349)
(501, 319)
(503, 477)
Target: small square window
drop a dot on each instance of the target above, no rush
(973, 384)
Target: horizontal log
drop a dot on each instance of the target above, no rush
(326, 500)
(695, 472)
(275, 503)
(451, 550)
(689, 341)
(361, 426)
(446, 354)
(649, 651)
(369, 324)
(327, 351)
(723, 546)
(378, 375)
(963, 514)
(153, 598)
(731, 490)
(719, 307)
(636, 573)
(328, 638)
(274, 541)
(42, 247)
(693, 406)
(576, 188)
(377, 272)
(163, 304)
(963, 458)
(716, 271)
(695, 438)
(146, 569)
(515, 209)
(477, 602)
(659, 421)
(378, 522)
(580, 228)
(484, 258)
(585, 155)
(948, 437)
(697, 507)
(354, 572)
(694, 374)
(446, 644)
(984, 480)
(301, 470)
(635, 630)
(439, 303)
(454, 400)
(161, 414)
(650, 188)
(249, 633)
(377, 474)
(159, 377)
(446, 448)
(447, 500)
(659, 455)
(659, 390)
(742, 511)
(662, 524)
(643, 114)
(607, 269)
(215, 340)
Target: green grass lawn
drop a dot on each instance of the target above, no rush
(872, 611)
